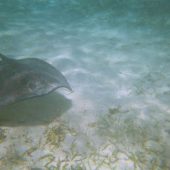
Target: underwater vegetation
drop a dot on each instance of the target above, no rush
(140, 140)
(127, 142)
(55, 135)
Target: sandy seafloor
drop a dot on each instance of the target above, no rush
(116, 57)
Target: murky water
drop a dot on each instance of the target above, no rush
(116, 56)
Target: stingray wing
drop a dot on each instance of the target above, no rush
(26, 78)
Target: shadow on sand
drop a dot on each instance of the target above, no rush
(36, 111)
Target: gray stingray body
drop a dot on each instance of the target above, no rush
(26, 78)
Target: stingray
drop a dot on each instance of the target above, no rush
(27, 78)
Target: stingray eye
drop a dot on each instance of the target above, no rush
(30, 85)
(27, 83)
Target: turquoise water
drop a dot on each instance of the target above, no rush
(116, 56)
